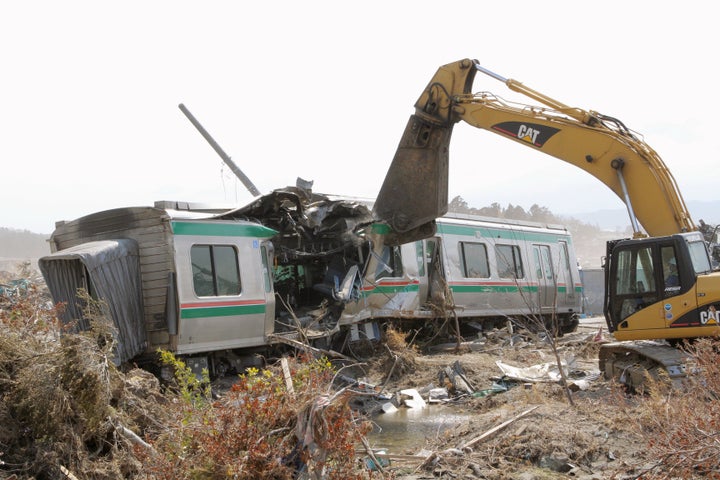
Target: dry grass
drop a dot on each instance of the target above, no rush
(65, 407)
(59, 395)
(682, 425)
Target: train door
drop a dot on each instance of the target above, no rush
(266, 253)
(566, 274)
(545, 276)
(422, 266)
(221, 292)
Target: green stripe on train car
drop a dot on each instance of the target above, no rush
(229, 229)
(222, 311)
(500, 233)
(387, 289)
(490, 288)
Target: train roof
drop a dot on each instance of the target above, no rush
(463, 218)
(192, 210)
(209, 211)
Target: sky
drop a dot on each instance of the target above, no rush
(323, 90)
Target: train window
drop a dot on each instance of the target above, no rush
(538, 266)
(215, 270)
(420, 255)
(565, 260)
(547, 262)
(509, 262)
(266, 269)
(390, 265)
(429, 251)
(474, 260)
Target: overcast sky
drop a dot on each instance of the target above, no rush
(323, 90)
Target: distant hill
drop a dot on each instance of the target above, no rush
(23, 243)
(17, 246)
(608, 220)
(617, 219)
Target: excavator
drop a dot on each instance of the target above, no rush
(660, 285)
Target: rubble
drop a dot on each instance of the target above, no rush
(477, 434)
(501, 412)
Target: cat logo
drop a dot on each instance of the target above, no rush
(527, 134)
(530, 133)
(710, 316)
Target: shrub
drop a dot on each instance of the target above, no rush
(260, 430)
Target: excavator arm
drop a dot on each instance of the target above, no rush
(415, 190)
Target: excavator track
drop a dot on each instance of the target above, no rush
(631, 362)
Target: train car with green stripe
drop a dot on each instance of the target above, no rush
(217, 285)
(484, 271)
(212, 284)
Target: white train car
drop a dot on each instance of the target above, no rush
(211, 284)
(482, 269)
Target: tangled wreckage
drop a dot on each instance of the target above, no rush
(197, 280)
(212, 284)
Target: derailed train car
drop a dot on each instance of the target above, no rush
(480, 269)
(207, 283)
(214, 284)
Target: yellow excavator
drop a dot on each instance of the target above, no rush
(660, 285)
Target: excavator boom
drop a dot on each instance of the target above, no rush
(415, 190)
(641, 304)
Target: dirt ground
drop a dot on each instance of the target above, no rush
(530, 431)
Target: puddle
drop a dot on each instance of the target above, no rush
(409, 430)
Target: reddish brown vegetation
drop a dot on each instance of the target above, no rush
(260, 430)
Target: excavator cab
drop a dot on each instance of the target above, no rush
(651, 285)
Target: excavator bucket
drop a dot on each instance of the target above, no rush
(415, 190)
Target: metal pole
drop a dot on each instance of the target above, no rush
(226, 158)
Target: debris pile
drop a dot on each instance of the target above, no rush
(22, 283)
(498, 409)
(397, 361)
